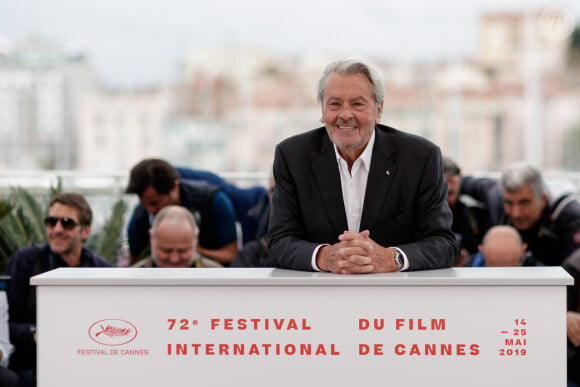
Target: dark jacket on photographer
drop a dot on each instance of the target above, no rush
(553, 238)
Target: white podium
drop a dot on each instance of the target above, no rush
(272, 327)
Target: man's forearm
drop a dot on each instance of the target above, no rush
(223, 255)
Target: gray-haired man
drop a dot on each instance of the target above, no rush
(549, 225)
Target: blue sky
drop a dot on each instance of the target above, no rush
(140, 42)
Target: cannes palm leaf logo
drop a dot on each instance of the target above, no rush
(113, 331)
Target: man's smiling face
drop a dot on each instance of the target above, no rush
(349, 113)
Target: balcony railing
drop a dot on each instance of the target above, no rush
(101, 189)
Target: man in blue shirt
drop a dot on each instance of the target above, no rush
(251, 204)
(502, 246)
(158, 185)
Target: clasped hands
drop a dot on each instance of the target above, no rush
(356, 253)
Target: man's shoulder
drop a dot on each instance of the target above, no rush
(31, 253)
(485, 184)
(195, 194)
(196, 185)
(565, 209)
(572, 264)
(28, 259)
(41, 248)
(195, 188)
(140, 214)
(210, 263)
(530, 260)
(145, 262)
(95, 260)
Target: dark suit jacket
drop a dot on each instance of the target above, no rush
(405, 203)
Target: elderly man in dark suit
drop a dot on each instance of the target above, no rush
(355, 196)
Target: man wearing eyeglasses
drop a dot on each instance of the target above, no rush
(68, 225)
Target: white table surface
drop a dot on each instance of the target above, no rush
(517, 276)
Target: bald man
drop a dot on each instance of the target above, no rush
(174, 241)
(502, 246)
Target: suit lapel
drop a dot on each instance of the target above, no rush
(382, 173)
(327, 179)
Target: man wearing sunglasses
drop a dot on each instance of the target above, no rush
(68, 225)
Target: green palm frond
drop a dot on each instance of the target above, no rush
(14, 232)
(5, 208)
(8, 244)
(30, 215)
(57, 189)
(6, 249)
(107, 242)
(19, 224)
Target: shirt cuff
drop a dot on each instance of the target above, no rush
(405, 259)
(313, 259)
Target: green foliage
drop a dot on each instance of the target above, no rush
(6, 244)
(107, 242)
(30, 216)
(22, 224)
